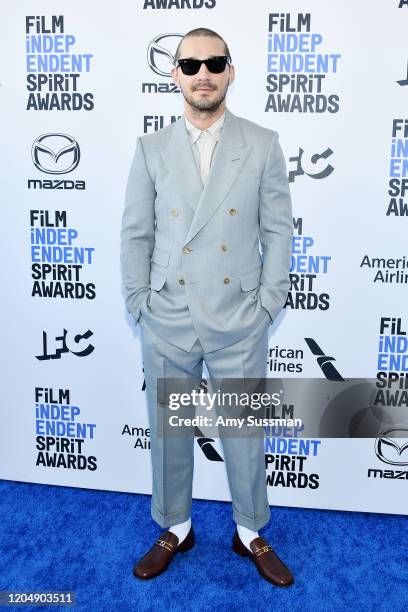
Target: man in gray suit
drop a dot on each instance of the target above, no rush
(202, 194)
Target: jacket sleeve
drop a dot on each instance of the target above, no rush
(137, 233)
(275, 230)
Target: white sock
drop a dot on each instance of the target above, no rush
(181, 530)
(246, 535)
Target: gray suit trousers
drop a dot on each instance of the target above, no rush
(173, 457)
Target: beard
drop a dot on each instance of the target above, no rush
(205, 104)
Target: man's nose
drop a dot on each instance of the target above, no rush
(203, 72)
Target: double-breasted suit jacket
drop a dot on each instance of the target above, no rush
(190, 256)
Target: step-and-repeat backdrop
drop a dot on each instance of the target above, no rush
(79, 83)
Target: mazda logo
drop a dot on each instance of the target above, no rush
(161, 51)
(55, 153)
(387, 449)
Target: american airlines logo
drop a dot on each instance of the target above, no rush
(325, 362)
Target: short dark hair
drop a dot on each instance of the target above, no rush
(202, 32)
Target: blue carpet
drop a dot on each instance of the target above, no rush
(61, 538)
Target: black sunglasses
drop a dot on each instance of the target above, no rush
(214, 64)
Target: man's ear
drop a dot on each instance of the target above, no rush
(174, 74)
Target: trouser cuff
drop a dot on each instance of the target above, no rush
(252, 523)
(167, 520)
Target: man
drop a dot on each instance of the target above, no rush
(202, 193)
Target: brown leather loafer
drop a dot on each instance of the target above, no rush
(266, 560)
(157, 560)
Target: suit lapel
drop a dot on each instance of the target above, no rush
(225, 168)
(179, 157)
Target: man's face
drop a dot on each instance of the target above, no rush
(204, 91)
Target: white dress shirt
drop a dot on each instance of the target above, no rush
(204, 144)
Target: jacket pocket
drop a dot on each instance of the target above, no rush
(251, 280)
(161, 258)
(157, 280)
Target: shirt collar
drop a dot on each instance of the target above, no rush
(214, 128)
